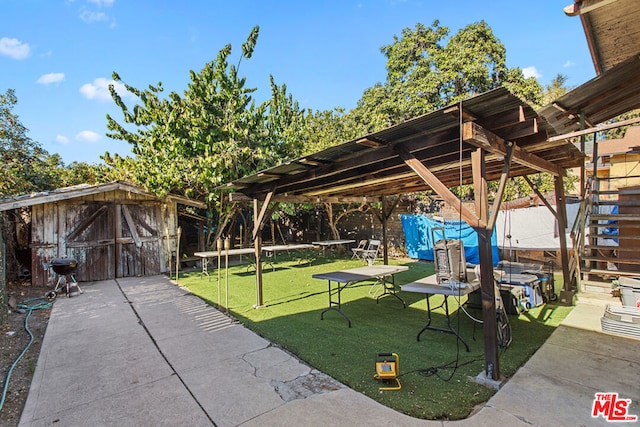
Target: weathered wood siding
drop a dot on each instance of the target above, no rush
(111, 234)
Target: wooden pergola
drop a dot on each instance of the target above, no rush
(490, 137)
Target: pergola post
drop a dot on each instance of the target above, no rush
(561, 217)
(257, 244)
(487, 292)
(487, 284)
(259, 216)
(385, 243)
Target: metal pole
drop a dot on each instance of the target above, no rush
(219, 247)
(227, 245)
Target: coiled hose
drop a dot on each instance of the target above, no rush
(30, 305)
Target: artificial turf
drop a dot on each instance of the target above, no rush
(436, 372)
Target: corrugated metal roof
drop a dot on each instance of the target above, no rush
(602, 98)
(355, 169)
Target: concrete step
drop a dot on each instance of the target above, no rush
(596, 287)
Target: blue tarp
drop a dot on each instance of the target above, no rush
(418, 237)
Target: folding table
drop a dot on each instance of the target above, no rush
(344, 278)
(429, 286)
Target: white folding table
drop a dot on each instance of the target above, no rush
(430, 286)
(327, 244)
(344, 278)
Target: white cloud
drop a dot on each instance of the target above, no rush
(99, 89)
(88, 136)
(102, 3)
(93, 13)
(89, 17)
(14, 48)
(569, 64)
(62, 139)
(531, 72)
(46, 79)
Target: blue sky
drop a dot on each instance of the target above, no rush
(59, 55)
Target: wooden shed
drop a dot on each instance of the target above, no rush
(113, 230)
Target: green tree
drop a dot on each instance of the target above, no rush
(213, 133)
(323, 129)
(619, 132)
(426, 71)
(555, 89)
(82, 173)
(26, 166)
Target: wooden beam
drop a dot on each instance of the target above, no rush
(599, 128)
(542, 198)
(432, 181)
(488, 297)
(454, 111)
(257, 246)
(503, 119)
(480, 188)
(562, 225)
(258, 221)
(240, 197)
(501, 187)
(521, 130)
(131, 225)
(328, 172)
(85, 223)
(482, 138)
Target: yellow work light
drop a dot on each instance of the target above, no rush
(387, 370)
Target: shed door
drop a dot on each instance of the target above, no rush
(111, 241)
(138, 243)
(91, 240)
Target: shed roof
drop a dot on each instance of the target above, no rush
(373, 165)
(82, 190)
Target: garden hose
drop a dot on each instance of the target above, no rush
(30, 306)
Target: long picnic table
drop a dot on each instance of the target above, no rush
(269, 250)
(327, 244)
(344, 278)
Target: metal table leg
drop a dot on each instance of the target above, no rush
(335, 304)
(449, 329)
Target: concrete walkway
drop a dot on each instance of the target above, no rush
(145, 352)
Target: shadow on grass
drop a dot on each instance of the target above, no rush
(435, 372)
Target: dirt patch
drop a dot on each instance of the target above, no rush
(14, 338)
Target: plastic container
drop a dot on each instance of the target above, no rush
(630, 292)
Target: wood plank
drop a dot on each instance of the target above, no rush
(598, 128)
(503, 119)
(501, 188)
(480, 188)
(480, 137)
(132, 226)
(526, 128)
(240, 197)
(437, 186)
(82, 225)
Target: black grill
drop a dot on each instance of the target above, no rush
(64, 265)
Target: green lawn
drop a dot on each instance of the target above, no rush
(431, 387)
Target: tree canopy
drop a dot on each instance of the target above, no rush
(214, 133)
(427, 71)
